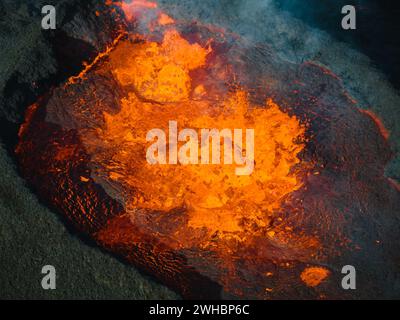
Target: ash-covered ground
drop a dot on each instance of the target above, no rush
(32, 61)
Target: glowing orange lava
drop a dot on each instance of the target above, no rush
(314, 276)
(216, 200)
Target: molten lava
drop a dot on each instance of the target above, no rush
(215, 198)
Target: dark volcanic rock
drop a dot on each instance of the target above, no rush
(33, 60)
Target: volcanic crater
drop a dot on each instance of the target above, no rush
(317, 199)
